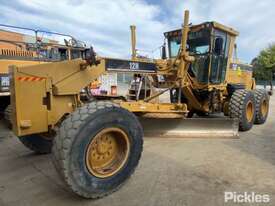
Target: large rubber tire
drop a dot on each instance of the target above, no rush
(190, 114)
(202, 114)
(37, 143)
(262, 100)
(77, 131)
(238, 108)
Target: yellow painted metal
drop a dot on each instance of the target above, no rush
(5, 63)
(108, 152)
(227, 29)
(30, 113)
(241, 76)
(250, 110)
(64, 76)
(133, 41)
(48, 100)
(264, 107)
(191, 127)
(145, 107)
(184, 57)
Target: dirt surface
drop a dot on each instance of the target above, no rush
(193, 172)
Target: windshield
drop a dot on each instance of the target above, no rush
(198, 45)
(198, 42)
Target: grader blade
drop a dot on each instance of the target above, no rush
(191, 128)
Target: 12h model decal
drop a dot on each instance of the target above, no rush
(130, 66)
(134, 65)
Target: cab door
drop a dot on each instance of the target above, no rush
(219, 57)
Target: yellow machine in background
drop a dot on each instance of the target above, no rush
(96, 145)
(20, 49)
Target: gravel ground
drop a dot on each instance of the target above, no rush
(193, 172)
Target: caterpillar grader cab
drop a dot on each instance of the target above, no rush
(96, 145)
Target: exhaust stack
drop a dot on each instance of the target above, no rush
(133, 41)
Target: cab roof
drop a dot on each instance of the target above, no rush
(214, 24)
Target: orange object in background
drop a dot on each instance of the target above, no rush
(95, 84)
(113, 90)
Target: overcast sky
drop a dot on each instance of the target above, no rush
(105, 23)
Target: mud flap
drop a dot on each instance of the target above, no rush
(191, 128)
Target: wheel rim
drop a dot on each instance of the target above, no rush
(264, 108)
(249, 111)
(108, 152)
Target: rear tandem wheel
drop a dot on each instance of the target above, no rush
(242, 107)
(262, 106)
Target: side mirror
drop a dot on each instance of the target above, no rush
(218, 46)
(163, 52)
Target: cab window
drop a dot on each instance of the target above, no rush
(174, 46)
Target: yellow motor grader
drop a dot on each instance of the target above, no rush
(96, 145)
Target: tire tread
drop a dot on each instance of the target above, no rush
(236, 107)
(63, 141)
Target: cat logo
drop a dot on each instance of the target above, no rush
(239, 71)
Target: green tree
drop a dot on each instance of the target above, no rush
(264, 64)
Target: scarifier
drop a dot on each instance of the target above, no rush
(96, 145)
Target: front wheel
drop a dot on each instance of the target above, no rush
(242, 107)
(97, 148)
